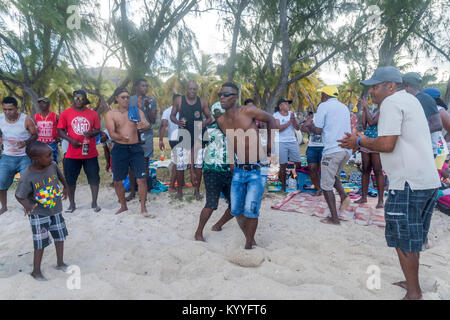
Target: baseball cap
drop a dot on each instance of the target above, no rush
(83, 93)
(282, 100)
(433, 92)
(331, 91)
(217, 106)
(43, 99)
(413, 78)
(384, 74)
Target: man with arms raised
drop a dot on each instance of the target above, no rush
(251, 169)
(127, 151)
(191, 110)
(405, 148)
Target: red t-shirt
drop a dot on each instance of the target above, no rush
(76, 123)
(47, 127)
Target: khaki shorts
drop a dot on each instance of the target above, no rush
(330, 167)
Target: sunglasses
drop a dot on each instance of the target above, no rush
(78, 99)
(226, 94)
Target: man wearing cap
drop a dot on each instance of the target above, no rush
(47, 122)
(217, 174)
(18, 130)
(288, 147)
(127, 151)
(412, 83)
(332, 120)
(406, 155)
(79, 124)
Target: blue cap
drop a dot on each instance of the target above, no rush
(433, 92)
(384, 74)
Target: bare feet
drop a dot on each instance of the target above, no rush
(380, 205)
(318, 193)
(361, 200)
(130, 197)
(122, 209)
(249, 246)
(71, 208)
(197, 195)
(216, 228)
(413, 296)
(172, 189)
(179, 196)
(330, 221)
(38, 276)
(345, 204)
(401, 284)
(199, 237)
(62, 267)
(148, 215)
(3, 210)
(96, 208)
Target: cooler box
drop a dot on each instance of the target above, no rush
(304, 179)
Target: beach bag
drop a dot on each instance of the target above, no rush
(443, 208)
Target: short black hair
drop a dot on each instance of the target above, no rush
(231, 85)
(249, 101)
(138, 81)
(176, 95)
(120, 90)
(10, 100)
(36, 148)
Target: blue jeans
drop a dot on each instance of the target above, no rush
(9, 167)
(247, 189)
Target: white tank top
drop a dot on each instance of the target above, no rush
(13, 133)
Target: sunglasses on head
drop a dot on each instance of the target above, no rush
(226, 94)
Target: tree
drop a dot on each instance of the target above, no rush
(32, 39)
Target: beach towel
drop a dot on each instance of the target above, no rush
(133, 114)
(365, 214)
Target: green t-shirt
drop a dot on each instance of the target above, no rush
(216, 149)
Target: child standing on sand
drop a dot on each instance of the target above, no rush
(39, 193)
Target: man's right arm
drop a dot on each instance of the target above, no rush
(176, 108)
(162, 132)
(111, 127)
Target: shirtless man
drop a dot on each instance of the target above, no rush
(127, 151)
(191, 110)
(251, 169)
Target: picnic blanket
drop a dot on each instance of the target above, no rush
(365, 214)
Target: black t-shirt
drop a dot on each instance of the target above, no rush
(428, 104)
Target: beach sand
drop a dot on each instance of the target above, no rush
(131, 257)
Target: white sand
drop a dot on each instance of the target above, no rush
(130, 257)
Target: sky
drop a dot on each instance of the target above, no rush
(211, 41)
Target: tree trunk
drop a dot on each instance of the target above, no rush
(447, 94)
(237, 24)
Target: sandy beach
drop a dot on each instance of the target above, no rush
(131, 257)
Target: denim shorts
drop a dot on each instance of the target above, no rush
(247, 190)
(314, 154)
(9, 167)
(408, 216)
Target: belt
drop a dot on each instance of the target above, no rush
(250, 167)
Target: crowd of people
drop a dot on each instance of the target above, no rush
(231, 147)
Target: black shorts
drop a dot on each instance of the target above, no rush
(173, 144)
(72, 169)
(216, 182)
(124, 156)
